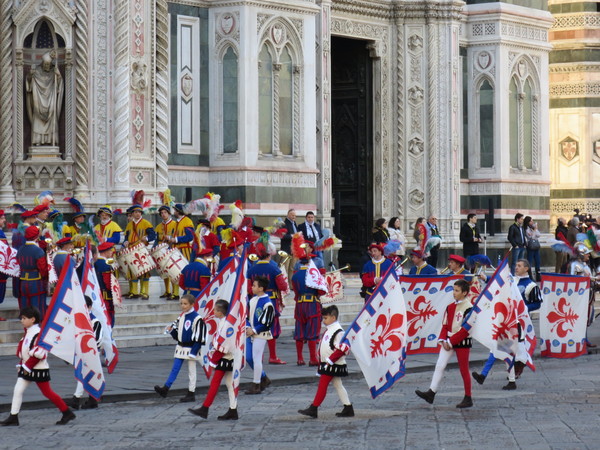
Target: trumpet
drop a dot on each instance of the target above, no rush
(253, 257)
(210, 260)
(346, 267)
(304, 245)
(110, 261)
(446, 269)
(285, 257)
(76, 251)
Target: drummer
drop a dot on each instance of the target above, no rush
(183, 236)
(79, 227)
(105, 272)
(196, 275)
(108, 230)
(164, 231)
(138, 231)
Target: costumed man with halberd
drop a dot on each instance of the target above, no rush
(374, 270)
(106, 277)
(164, 231)
(34, 272)
(139, 230)
(277, 284)
(307, 311)
(196, 275)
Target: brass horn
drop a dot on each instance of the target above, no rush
(285, 257)
(346, 267)
(446, 269)
(304, 245)
(253, 257)
(283, 254)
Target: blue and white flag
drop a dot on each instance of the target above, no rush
(67, 332)
(377, 337)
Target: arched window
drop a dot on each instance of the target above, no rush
(527, 125)
(486, 125)
(286, 111)
(230, 101)
(265, 101)
(513, 111)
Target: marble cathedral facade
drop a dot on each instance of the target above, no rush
(246, 98)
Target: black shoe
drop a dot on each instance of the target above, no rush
(165, 295)
(311, 411)
(254, 389)
(174, 297)
(189, 397)
(66, 417)
(231, 414)
(265, 382)
(90, 403)
(73, 402)
(11, 421)
(347, 411)
(511, 386)
(428, 396)
(161, 390)
(202, 411)
(478, 377)
(467, 402)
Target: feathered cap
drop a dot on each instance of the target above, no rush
(166, 201)
(300, 248)
(264, 247)
(138, 202)
(78, 208)
(236, 214)
(44, 198)
(105, 209)
(178, 207)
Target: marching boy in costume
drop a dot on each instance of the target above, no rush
(223, 364)
(332, 367)
(33, 367)
(261, 313)
(454, 339)
(189, 330)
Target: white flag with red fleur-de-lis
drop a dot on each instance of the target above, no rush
(377, 337)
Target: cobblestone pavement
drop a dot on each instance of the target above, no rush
(558, 406)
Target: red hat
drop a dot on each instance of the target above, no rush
(40, 208)
(1, 212)
(377, 246)
(63, 241)
(204, 251)
(31, 232)
(418, 253)
(459, 259)
(105, 246)
(28, 214)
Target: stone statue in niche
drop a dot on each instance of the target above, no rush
(45, 91)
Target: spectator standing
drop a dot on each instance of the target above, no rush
(433, 231)
(397, 235)
(470, 236)
(380, 233)
(532, 235)
(561, 235)
(517, 239)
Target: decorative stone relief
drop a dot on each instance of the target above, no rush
(484, 60)
(416, 146)
(416, 198)
(415, 94)
(415, 42)
(139, 76)
(228, 27)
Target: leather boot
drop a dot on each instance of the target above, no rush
(162, 391)
(478, 377)
(254, 389)
(67, 416)
(231, 414)
(90, 403)
(467, 402)
(11, 421)
(428, 396)
(73, 402)
(188, 397)
(511, 386)
(202, 411)
(265, 382)
(347, 411)
(311, 411)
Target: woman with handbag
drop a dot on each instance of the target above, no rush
(533, 245)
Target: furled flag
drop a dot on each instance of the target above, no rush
(91, 288)
(377, 337)
(563, 315)
(426, 299)
(8, 260)
(493, 321)
(314, 279)
(67, 332)
(221, 286)
(232, 337)
(335, 288)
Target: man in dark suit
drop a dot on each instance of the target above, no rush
(470, 236)
(311, 230)
(286, 241)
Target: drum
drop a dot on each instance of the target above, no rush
(122, 266)
(138, 260)
(158, 253)
(172, 264)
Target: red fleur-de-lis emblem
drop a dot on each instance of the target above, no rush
(563, 318)
(389, 338)
(505, 322)
(419, 312)
(209, 318)
(334, 284)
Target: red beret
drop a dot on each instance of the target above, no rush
(40, 208)
(1, 212)
(418, 253)
(459, 259)
(31, 232)
(377, 246)
(63, 241)
(105, 246)
(27, 214)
